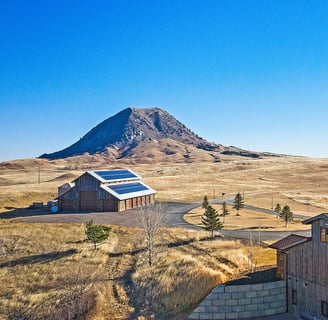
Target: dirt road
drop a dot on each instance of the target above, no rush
(129, 218)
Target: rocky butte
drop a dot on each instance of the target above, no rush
(143, 134)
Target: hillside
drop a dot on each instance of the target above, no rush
(142, 135)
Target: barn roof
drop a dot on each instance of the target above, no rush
(323, 216)
(65, 188)
(116, 175)
(125, 191)
(289, 242)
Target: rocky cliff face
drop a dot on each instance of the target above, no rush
(133, 129)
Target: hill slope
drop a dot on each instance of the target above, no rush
(137, 133)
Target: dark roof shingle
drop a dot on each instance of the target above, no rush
(289, 241)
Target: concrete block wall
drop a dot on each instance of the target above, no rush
(243, 301)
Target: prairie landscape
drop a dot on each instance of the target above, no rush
(49, 269)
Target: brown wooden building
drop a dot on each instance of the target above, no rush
(110, 190)
(303, 262)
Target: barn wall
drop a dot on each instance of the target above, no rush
(307, 274)
(69, 201)
(281, 264)
(309, 260)
(121, 205)
(106, 202)
(309, 297)
(87, 183)
(87, 195)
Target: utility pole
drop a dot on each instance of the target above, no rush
(39, 174)
(259, 234)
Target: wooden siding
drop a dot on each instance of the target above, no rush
(88, 200)
(307, 270)
(87, 195)
(309, 297)
(110, 205)
(68, 205)
(309, 260)
(69, 201)
(86, 182)
(281, 265)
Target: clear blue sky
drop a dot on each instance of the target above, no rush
(252, 74)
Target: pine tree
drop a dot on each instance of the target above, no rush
(211, 220)
(225, 210)
(205, 203)
(286, 214)
(238, 203)
(277, 209)
(96, 233)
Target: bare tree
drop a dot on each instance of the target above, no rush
(251, 253)
(151, 218)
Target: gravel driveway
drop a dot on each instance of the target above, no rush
(174, 219)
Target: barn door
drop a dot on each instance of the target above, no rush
(110, 205)
(88, 200)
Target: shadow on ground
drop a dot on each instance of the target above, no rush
(260, 276)
(29, 212)
(39, 258)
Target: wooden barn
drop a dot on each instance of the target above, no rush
(303, 262)
(110, 190)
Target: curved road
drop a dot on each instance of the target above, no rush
(174, 218)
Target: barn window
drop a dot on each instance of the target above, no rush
(324, 234)
(324, 308)
(294, 296)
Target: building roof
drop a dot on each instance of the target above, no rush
(125, 191)
(121, 183)
(289, 242)
(65, 188)
(116, 175)
(323, 216)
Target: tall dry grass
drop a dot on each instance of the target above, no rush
(42, 265)
(188, 266)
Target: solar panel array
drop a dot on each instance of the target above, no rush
(116, 174)
(128, 188)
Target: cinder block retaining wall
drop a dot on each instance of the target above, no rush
(243, 301)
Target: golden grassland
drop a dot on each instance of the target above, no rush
(301, 183)
(43, 262)
(247, 220)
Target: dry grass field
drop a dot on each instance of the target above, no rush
(302, 183)
(48, 271)
(248, 220)
(41, 265)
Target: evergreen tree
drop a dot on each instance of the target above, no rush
(205, 203)
(286, 214)
(238, 203)
(225, 210)
(211, 220)
(277, 209)
(96, 233)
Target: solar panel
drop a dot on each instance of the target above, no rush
(128, 188)
(116, 174)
